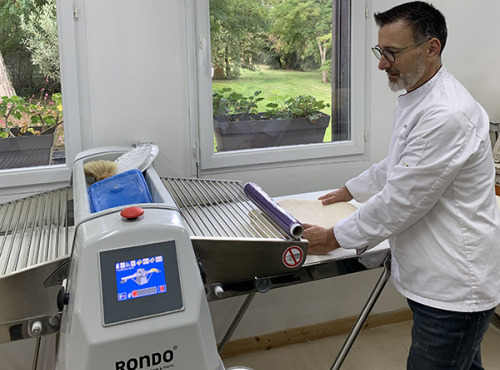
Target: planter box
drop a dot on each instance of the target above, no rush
(27, 150)
(253, 132)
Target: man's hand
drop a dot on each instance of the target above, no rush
(321, 240)
(339, 195)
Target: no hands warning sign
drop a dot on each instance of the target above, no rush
(293, 256)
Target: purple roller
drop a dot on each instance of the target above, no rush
(277, 213)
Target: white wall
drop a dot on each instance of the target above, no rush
(136, 85)
(134, 75)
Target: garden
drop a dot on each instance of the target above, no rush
(271, 61)
(276, 90)
(31, 117)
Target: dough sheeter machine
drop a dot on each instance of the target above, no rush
(131, 291)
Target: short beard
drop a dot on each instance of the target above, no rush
(407, 80)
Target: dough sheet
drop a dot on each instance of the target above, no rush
(315, 213)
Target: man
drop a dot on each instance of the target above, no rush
(432, 196)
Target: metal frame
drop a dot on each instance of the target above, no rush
(386, 274)
(225, 225)
(317, 272)
(35, 242)
(311, 272)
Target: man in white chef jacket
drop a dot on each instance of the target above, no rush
(432, 197)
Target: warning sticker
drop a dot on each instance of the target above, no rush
(293, 256)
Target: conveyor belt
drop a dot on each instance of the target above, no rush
(233, 239)
(220, 208)
(34, 230)
(35, 243)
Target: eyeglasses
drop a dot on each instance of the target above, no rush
(390, 55)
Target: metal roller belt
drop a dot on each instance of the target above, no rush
(36, 236)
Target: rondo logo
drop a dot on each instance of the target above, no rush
(146, 361)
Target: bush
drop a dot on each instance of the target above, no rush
(35, 118)
(233, 106)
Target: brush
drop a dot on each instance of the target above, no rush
(100, 170)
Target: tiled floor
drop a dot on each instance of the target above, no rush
(381, 348)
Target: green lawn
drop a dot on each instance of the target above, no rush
(277, 85)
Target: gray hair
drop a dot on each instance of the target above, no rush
(424, 20)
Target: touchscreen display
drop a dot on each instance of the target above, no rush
(134, 282)
(140, 277)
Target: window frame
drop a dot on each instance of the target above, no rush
(45, 175)
(354, 147)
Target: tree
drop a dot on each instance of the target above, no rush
(236, 27)
(15, 54)
(6, 88)
(303, 28)
(41, 39)
(325, 46)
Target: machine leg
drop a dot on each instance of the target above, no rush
(386, 274)
(37, 353)
(236, 321)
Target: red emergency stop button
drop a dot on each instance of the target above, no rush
(132, 213)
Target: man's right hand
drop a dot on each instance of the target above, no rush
(339, 195)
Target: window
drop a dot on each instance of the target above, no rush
(36, 80)
(254, 40)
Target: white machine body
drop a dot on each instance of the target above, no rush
(135, 295)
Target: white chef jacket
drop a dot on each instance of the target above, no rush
(433, 198)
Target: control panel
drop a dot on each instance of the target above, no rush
(139, 282)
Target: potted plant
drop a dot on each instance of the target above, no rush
(28, 131)
(239, 125)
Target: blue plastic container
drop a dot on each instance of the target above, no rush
(125, 188)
